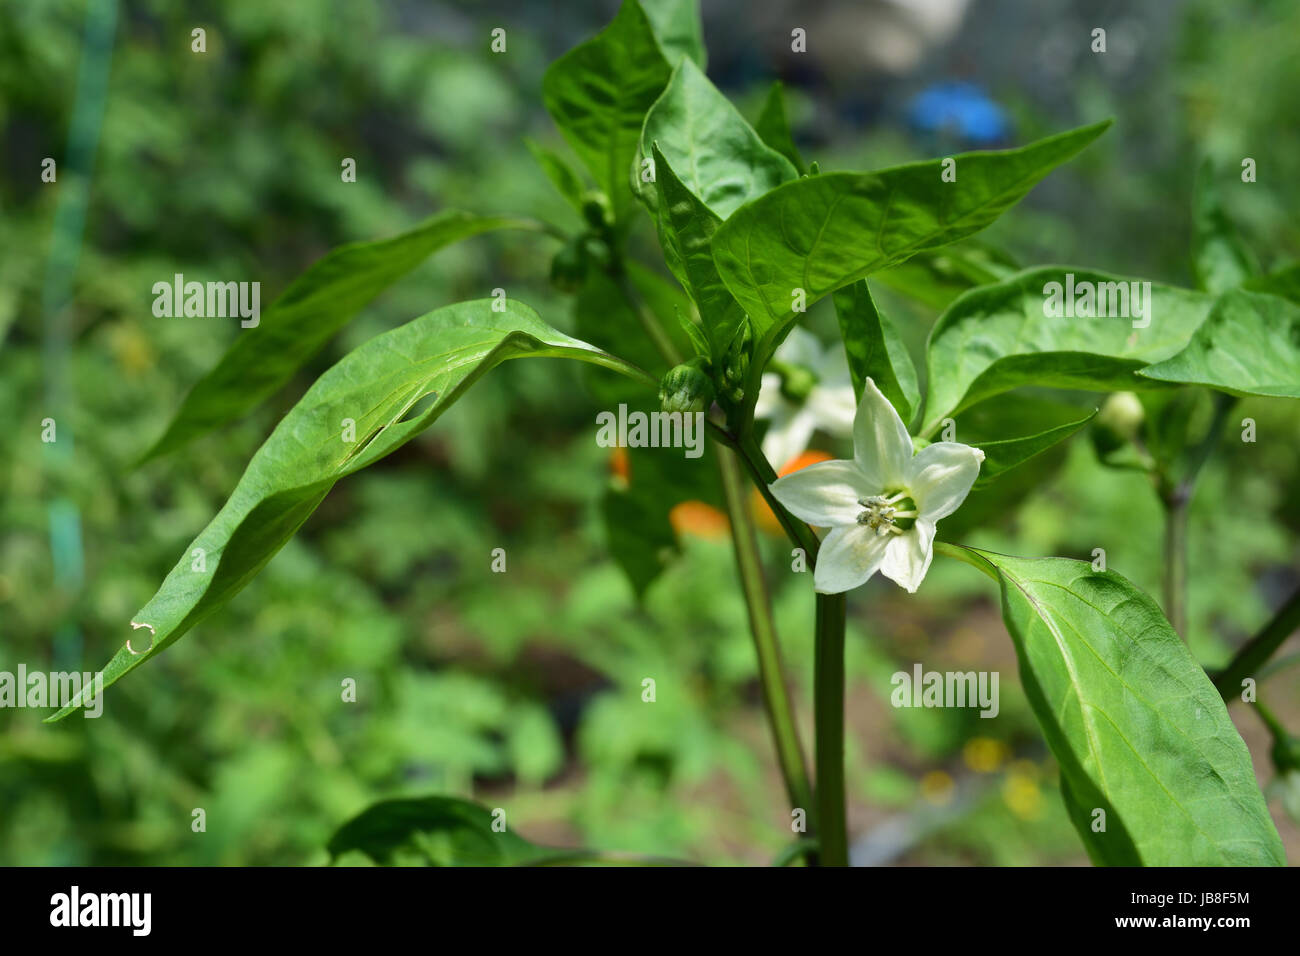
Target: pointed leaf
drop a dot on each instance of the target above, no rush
(823, 232)
(773, 127)
(1136, 726)
(875, 350)
(598, 94)
(715, 153)
(686, 227)
(391, 388)
(1249, 345)
(1011, 429)
(307, 315)
(677, 25)
(999, 337)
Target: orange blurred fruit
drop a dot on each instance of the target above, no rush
(762, 513)
(700, 519)
(620, 469)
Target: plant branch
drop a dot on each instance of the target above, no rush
(1259, 649)
(828, 707)
(776, 699)
(761, 473)
(649, 322)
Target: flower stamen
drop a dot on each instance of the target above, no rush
(881, 515)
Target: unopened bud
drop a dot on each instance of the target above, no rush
(686, 388)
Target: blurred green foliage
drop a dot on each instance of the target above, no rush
(527, 696)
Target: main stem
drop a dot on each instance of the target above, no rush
(776, 699)
(828, 708)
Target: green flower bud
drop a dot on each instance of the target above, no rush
(1117, 423)
(1122, 412)
(569, 267)
(687, 388)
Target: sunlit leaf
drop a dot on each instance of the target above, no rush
(306, 316)
(686, 227)
(375, 399)
(598, 94)
(999, 337)
(1156, 772)
(714, 152)
(875, 350)
(822, 232)
(1249, 345)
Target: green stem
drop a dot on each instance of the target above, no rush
(1174, 591)
(828, 708)
(649, 322)
(761, 473)
(794, 768)
(775, 695)
(1259, 649)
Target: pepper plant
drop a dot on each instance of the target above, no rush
(1152, 769)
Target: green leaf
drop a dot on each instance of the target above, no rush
(677, 25)
(1011, 429)
(305, 316)
(1134, 723)
(598, 94)
(936, 277)
(1221, 260)
(1249, 345)
(392, 388)
(686, 227)
(437, 831)
(998, 337)
(875, 350)
(562, 176)
(716, 154)
(822, 232)
(1284, 282)
(773, 127)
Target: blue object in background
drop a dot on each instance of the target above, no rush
(959, 108)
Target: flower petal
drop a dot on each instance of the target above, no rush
(847, 558)
(941, 477)
(833, 407)
(788, 435)
(908, 556)
(825, 494)
(881, 444)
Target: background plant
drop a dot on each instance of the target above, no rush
(377, 562)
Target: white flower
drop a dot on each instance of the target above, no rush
(829, 405)
(882, 506)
